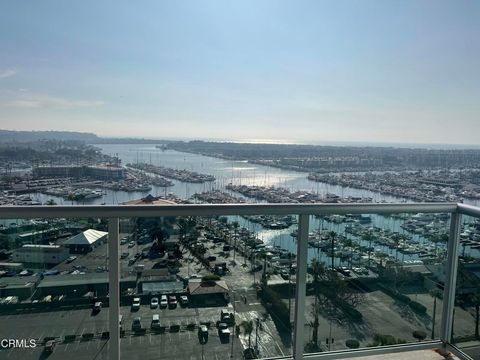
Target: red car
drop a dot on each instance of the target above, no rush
(172, 301)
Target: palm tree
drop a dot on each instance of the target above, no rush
(262, 254)
(248, 329)
(318, 272)
(333, 235)
(235, 226)
(369, 237)
(396, 241)
(435, 293)
(348, 243)
(439, 238)
(186, 225)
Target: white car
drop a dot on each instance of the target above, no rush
(154, 303)
(136, 303)
(97, 307)
(163, 301)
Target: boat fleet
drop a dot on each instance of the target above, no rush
(180, 175)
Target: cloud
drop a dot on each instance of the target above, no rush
(7, 73)
(26, 100)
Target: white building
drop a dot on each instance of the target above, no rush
(40, 254)
(86, 241)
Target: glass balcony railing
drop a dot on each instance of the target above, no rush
(238, 281)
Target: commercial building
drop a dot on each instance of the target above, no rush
(40, 254)
(21, 286)
(86, 241)
(211, 292)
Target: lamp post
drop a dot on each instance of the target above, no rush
(256, 335)
(233, 332)
(289, 283)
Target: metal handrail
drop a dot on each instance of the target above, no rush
(469, 210)
(108, 211)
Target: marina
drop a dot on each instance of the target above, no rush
(239, 182)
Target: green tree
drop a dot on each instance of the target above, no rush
(475, 300)
(248, 329)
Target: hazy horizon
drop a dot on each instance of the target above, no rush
(311, 72)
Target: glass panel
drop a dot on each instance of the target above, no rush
(212, 287)
(467, 296)
(54, 288)
(374, 280)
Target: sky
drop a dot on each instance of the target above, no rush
(265, 71)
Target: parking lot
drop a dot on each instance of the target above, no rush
(149, 345)
(178, 336)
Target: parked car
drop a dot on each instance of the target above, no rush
(131, 262)
(131, 244)
(71, 258)
(223, 330)
(227, 317)
(124, 255)
(154, 303)
(49, 346)
(163, 301)
(184, 300)
(172, 301)
(124, 240)
(136, 303)
(97, 306)
(136, 324)
(155, 322)
(344, 271)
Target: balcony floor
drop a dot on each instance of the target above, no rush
(410, 355)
